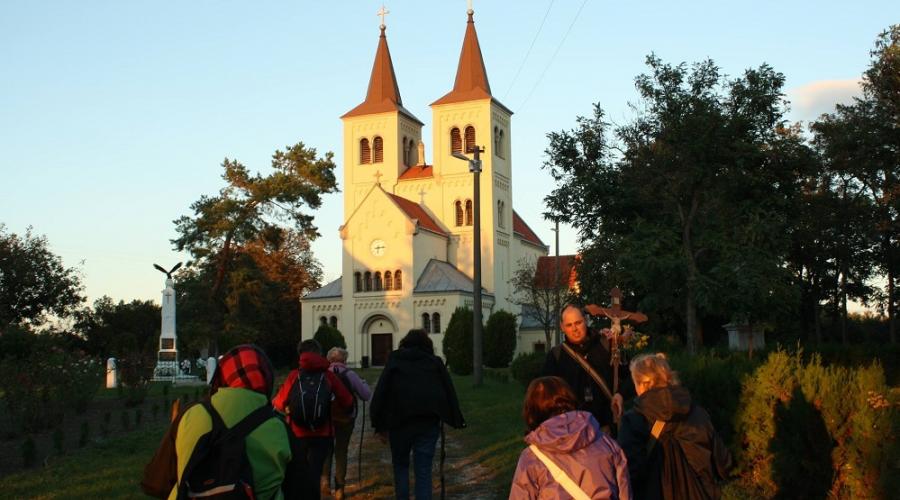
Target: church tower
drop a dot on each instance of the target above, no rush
(381, 137)
(465, 117)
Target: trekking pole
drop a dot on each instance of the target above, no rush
(443, 456)
(362, 431)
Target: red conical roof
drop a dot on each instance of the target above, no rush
(383, 94)
(471, 77)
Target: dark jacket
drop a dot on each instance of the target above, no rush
(414, 386)
(313, 363)
(590, 397)
(687, 425)
(574, 442)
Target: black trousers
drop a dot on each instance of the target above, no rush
(305, 469)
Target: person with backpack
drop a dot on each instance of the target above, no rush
(343, 421)
(583, 361)
(413, 396)
(568, 456)
(233, 445)
(306, 398)
(672, 448)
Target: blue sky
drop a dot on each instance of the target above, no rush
(115, 116)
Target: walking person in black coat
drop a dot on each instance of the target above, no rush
(413, 396)
(672, 448)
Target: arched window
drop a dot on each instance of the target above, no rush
(469, 217)
(388, 282)
(378, 285)
(333, 321)
(500, 219)
(426, 322)
(498, 142)
(357, 281)
(470, 139)
(365, 153)
(459, 213)
(398, 280)
(378, 146)
(455, 141)
(368, 279)
(323, 320)
(435, 323)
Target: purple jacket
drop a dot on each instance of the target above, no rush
(358, 386)
(576, 444)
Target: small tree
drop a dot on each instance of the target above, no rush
(458, 341)
(329, 337)
(499, 339)
(533, 290)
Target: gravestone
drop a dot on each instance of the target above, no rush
(112, 374)
(210, 369)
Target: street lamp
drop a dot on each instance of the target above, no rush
(475, 168)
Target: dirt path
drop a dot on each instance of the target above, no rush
(462, 475)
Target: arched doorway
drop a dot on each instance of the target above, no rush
(381, 334)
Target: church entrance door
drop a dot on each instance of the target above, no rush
(381, 331)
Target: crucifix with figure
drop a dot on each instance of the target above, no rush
(616, 316)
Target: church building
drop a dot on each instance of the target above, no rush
(407, 236)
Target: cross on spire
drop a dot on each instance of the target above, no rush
(383, 12)
(471, 10)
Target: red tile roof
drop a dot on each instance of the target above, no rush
(415, 211)
(545, 271)
(471, 77)
(525, 232)
(417, 172)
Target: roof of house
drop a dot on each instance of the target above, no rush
(415, 211)
(545, 271)
(521, 228)
(328, 291)
(440, 276)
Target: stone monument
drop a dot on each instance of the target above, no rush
(167, 357)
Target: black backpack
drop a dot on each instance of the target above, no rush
(678, 479)
(219, 467)
(339, 414)
(309, 404)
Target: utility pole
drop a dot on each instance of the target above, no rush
(556, 285)
(475, 168)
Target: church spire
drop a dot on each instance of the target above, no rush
(471, 78)
(383, 94)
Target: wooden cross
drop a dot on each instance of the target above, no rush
(616, 315)
(377, 175)
(382, 12)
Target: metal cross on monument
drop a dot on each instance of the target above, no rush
(381, 13)
(616, 316)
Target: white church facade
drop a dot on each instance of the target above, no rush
(407, 236)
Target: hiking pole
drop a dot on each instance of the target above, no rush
(362, 431)
(443, 456)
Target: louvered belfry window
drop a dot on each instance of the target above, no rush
(469, 216)
(470, 139)
(398, 280)
(459, 213)
(365, 153)
(388, 282)
(378, 145)
(455, 140)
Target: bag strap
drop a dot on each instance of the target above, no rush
(589, 369)
(560, 476)
(654, 435)
(244, 427)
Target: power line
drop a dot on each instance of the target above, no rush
(552, 58)
(541, 27)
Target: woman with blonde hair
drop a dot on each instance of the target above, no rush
(568, 455)
(672, 448)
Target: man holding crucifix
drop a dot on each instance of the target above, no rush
(590, 364)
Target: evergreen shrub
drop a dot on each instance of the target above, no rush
(458, 341)
(329, 337)
(809, 431)
(527, 366)
(500, 339)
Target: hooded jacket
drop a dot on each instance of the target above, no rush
(312, 363)
(414, 386)
(688, 425)
(575, 443)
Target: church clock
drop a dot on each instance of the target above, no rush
(378, 247)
